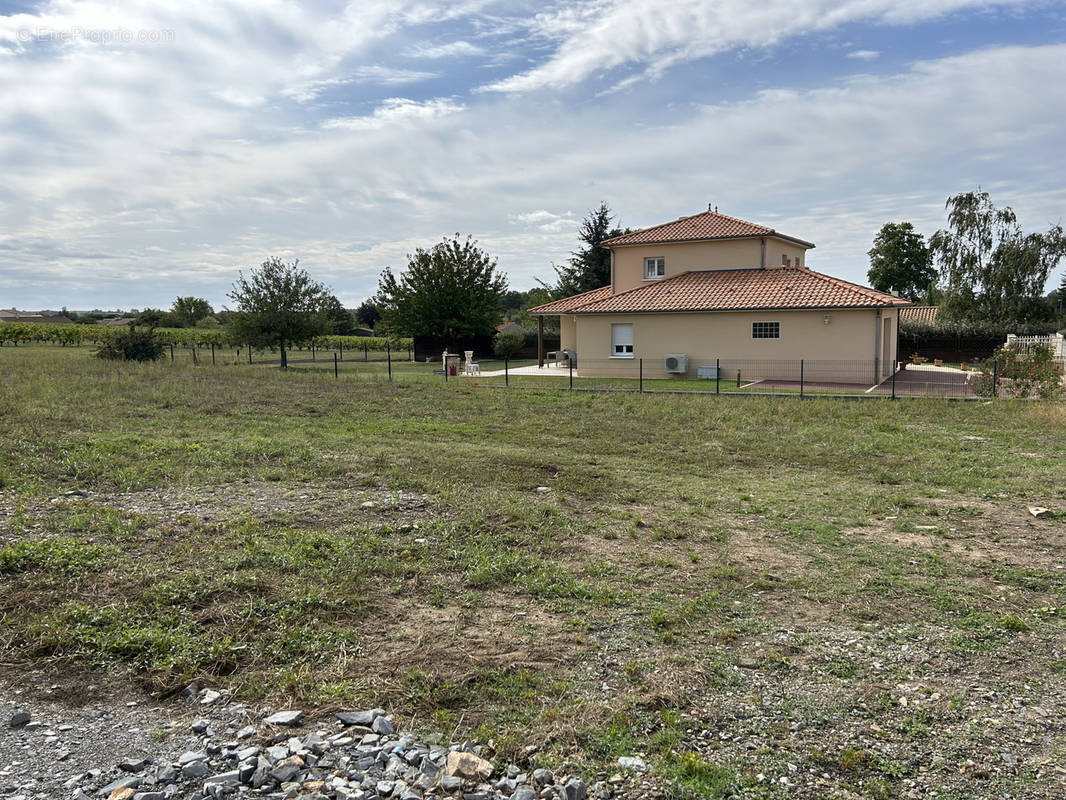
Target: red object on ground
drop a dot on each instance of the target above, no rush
(452, 370)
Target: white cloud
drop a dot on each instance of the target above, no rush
(457, 49)
(546, 221)
(397, 110)
(371, 74)
(595, 36)
(864, 55)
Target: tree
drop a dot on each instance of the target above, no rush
(278, 305)
(367, 314)
(589, 267)
(508, 345)
(190, 310)
(990, 269)
(451, 291)
(338, 318)
(131, 345)
(900, 262)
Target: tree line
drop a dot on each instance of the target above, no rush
(982, 269)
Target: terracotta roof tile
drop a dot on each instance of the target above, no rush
(926, 315)
(698, 227)
(734, 290)
(568, 304)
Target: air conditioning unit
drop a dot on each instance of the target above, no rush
(676, 362)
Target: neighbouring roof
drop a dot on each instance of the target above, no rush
(568, 304)
(116, 321)
(699, 227)
(923, 314)
(506, 327)
(730, 290)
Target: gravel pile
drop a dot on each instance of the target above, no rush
(233, 751)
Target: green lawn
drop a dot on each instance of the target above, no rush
(841, 586)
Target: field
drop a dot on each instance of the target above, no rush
(757, 596)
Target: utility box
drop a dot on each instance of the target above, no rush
(707, 373)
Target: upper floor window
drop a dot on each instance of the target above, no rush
(654, 268)
(766, 330)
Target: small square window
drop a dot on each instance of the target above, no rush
(654, 268)
(766, 330)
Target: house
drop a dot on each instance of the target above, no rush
(14, 315)
(709, 292)
(923, 315)
(510, 327)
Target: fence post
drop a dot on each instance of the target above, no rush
(894, 371)
(388, 357)
(249, 354)
(312, 352)
(409, 356)
(801, 379)
(171, 351)
(506, 374)
(212, 353)
(570, 363)
(366, 352)
(641, 373)
(738, 378)
(717, 375)
(336, 372)
(995, 379)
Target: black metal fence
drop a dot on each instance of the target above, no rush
(719, 375)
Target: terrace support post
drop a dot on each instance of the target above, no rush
(717, 375)
(336, 371)
(388, 357)
(801, 379)
(540, 341)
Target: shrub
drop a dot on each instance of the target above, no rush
(1013, 372)
(131, 345)
(508, 345)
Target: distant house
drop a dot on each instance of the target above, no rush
(14, 315)
(924, 315)
(510, 327)
(689, 294)
(115, 322)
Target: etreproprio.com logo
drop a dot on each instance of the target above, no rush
(95, 35)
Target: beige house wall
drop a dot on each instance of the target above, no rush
(688, 256)
(567, 332)
(847, 346)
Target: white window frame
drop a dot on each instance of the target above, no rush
(620, 348)
(772, 329)
(658, 266)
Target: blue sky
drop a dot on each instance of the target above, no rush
(151, 149)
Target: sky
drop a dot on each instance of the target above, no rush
(153, 149)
